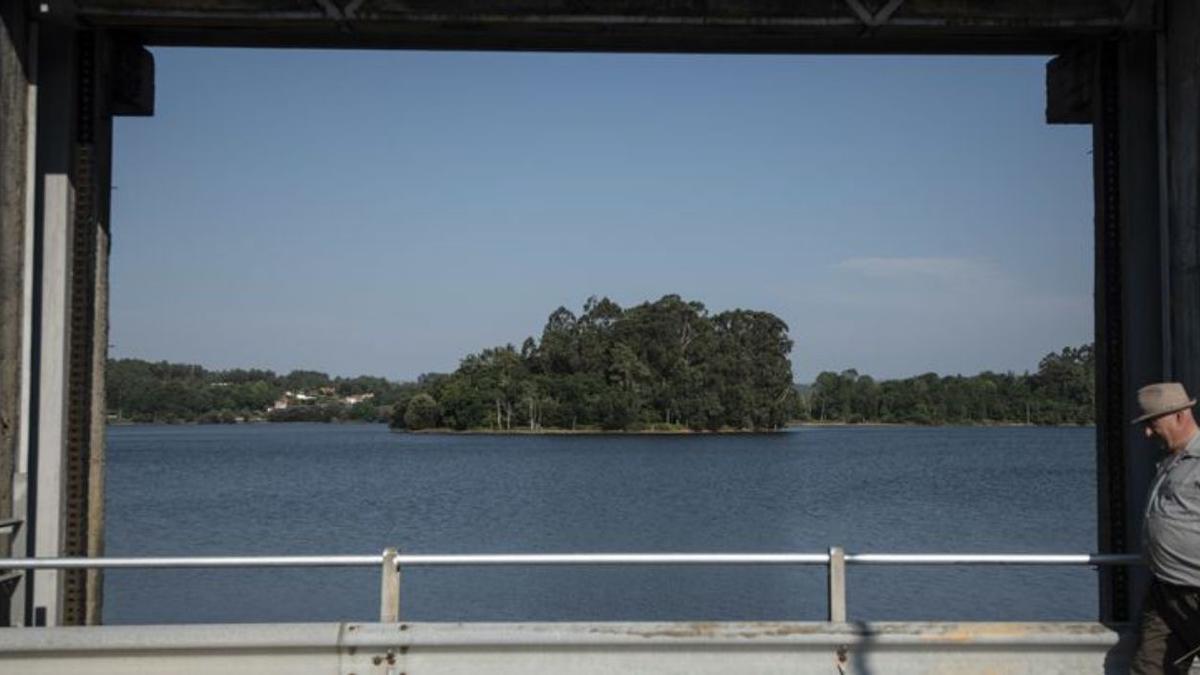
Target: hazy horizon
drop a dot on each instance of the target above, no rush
(516, 344)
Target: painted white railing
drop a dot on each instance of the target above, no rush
(391, 562)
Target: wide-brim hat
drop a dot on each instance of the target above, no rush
(1162, 398)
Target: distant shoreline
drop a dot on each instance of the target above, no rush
(1029, 425)
(612, 432)
(730, 432)
(588, 432)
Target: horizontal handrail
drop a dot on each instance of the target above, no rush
(178, 562)
(615, 559)
(537, 559)
(993, 558)
(390, 563)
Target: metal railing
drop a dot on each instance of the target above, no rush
(391, 562)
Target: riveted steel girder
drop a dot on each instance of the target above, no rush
(782, 26)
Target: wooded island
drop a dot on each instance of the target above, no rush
(667, 365)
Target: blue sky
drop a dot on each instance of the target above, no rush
(383, 212)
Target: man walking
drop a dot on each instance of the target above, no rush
(1170, 621)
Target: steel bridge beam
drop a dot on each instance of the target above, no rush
(780, 26)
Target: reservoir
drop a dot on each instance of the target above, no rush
(303, 489)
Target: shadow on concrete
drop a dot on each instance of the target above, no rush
(859, 661)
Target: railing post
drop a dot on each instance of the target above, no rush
(837, 584)
(389, 588)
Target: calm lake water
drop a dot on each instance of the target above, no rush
(347, 489)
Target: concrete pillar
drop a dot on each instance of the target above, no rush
(76, 81)
(94, 609)
(53, 257)
(14, 127)
(1130, 340)
(15, 206)
(74, 149)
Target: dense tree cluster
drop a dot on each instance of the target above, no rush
(143, 391)
(665, 364)
(1062, 391)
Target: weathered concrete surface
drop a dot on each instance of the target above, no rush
(568, 648)
(14, 126)
(94, 598)
(1041, 26)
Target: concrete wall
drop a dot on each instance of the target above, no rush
(569, 648)
(64, 275)
(18, 111)
(14, 128)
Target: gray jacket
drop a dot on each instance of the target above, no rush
(1171, 530)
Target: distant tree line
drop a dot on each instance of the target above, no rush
(144, 391)
(667, 364)
(1062, 391)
